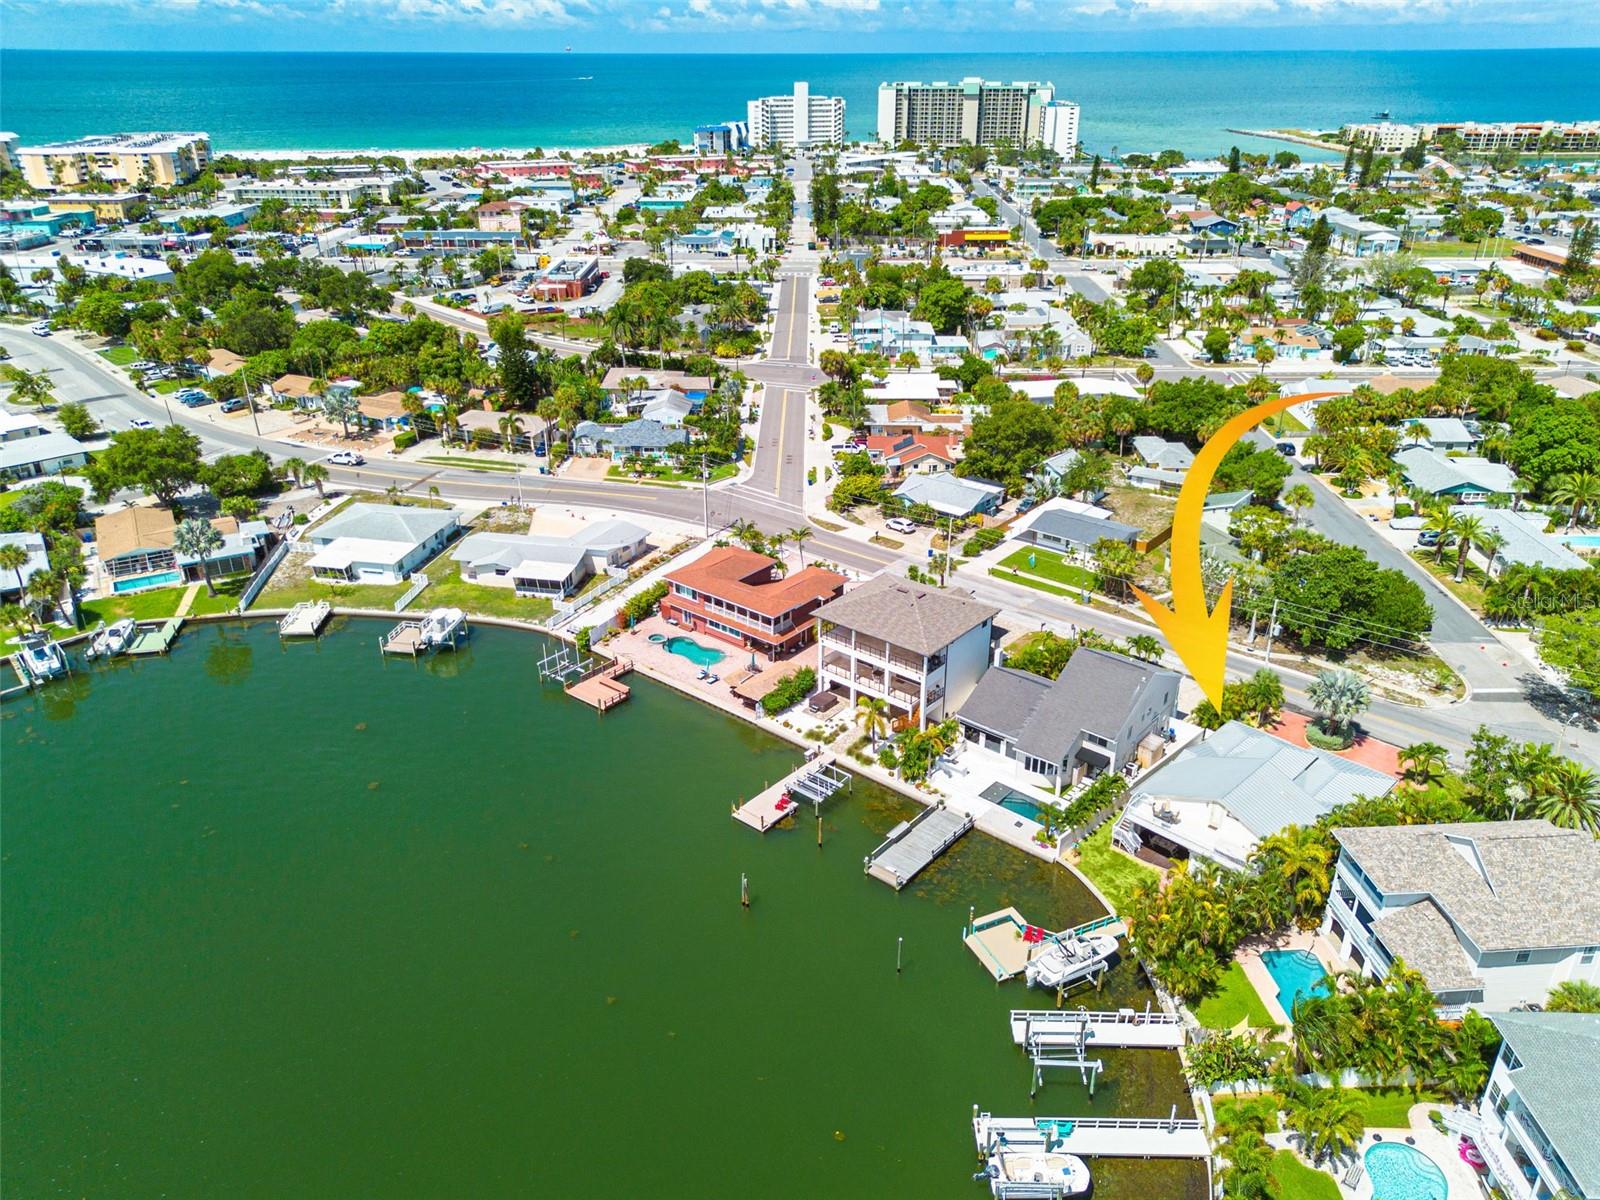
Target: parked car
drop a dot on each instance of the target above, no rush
(901, 525)
(1428, 537)
(346, 458)
(1286, 449)
(40, 329)
(233, 405)
(142, 423)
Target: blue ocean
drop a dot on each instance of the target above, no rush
(1131, 101)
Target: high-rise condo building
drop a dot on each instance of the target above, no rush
(797, 120)
(976, 112)
(132, 159)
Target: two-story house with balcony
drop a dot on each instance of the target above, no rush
(1492, 913)
(1538, 1115)
(912, 645)
(1102, 712)
(1218, 798)
(739, 596)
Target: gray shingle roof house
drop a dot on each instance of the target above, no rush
(1219, 797)
(951, 495)
(1539, 1110)
(650, 438)
(1057, 529)
(1493, 913)
(1092, 717)
(548, 565)
(1468, 480)
(1160, 453)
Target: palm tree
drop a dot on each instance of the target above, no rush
(1424, 764)
(13, 558)
(1571, 797)
(1444, 523)
(797, 538)
(622, 322)
(1469, 531)
(1579, 491)
(1263, 696)
(194, 538)
(340, 406)
(1143, 646)
(15, 617)
(1299, 497)
(1574, 995)
(317, 474)
(28, 387)
(873, 714)
(745, 531)
(295, 469)
(510, 426)
(1328, 1120)
(42, 591)
(1340, 696)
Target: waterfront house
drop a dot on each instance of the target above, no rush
(136, 548)
(1492, 913)
(952, 495)
(43, 454)
(1218, 798)
(919, 648)
(1536, 1121)
(379, 543)
(1101, 713)
(739, 596)
(549, 565)
(1463, 480)
(11, 587)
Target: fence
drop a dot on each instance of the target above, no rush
(419, 580)
(262, 576)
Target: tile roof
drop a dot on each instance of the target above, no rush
(141, 527)
(1535, 887)
(1421, 936)
(1265, 782)
(1552, 1081)
(917, 616)
(743, 577)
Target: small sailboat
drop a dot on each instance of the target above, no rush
(1066, 959)
(114, 639)
(1381, 115)
(39, 658)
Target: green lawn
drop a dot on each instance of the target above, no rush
(473, 464)
(1234, 1000)
(153, 605)
(1109, 869)
(284, 592)
(1291, 1179)
(168, 386)
(1381, 1108)
(1037, 585)
(1469, 590)
(226, 600)
(1051, 565)
(120, 355)
(664, 474)
(448, 589)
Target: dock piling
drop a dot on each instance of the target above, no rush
(744, 890)
(899, 945)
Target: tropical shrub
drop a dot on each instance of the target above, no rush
(405, 438)
(790, 691)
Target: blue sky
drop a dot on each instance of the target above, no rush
(799, 25)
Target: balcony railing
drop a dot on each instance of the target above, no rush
(876, 651)
(1505, 1169)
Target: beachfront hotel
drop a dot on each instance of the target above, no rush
(134, 159)
(977, 112)
(800, 119)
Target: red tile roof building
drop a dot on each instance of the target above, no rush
(733, 594)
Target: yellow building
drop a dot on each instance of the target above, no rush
(137, 159)
(107, 206)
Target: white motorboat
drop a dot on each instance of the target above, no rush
(1035, 1173)
(40, 657)
(1066, 959)
(114, 639)
(443, 627)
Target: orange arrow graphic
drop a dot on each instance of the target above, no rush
(1199, 637)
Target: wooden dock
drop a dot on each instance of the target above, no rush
(813, 781)
(305, 619)
(913, 844)
(404, 638)
(156, 639)
(997, 940)
(601, 687)
(1122, 1028)
(1095, 1137)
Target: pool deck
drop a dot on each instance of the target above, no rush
(1461, 1180)
(1249, 954)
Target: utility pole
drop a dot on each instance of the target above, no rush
(1272, 628)
(705, 493)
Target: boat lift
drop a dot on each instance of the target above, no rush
(1061, 1045)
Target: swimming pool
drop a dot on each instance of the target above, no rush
(1298, 974)
(1582, 539)
(146, 581)
(686, 647)
(1024, 807)
(1401, 1172)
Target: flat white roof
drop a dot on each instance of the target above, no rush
(348, 551)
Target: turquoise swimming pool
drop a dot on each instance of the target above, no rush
(139, 582)
(687, 647)
(1297, 973)
(1583, 539)
(1401, 1172)
(1024, 807)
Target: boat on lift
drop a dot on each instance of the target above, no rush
(114, 639)
(443, 627)
(1033, 1172)
(39, 658)
(1067, 958)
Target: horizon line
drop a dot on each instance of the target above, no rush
(675, 53)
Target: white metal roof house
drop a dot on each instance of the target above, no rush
(548, 565)
(44, 454)
(1218, 798)
(379, 543)
(1537, 1116)
(1492, 913)
(11, 588)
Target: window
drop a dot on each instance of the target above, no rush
(1523, 956)
(1588, 954)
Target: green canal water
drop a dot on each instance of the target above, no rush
(296, 921)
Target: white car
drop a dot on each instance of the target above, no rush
(40, 329)
(142, 423)
(901, 525)
(346, 458)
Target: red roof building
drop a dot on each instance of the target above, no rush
(735, 595)
(915, 452)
